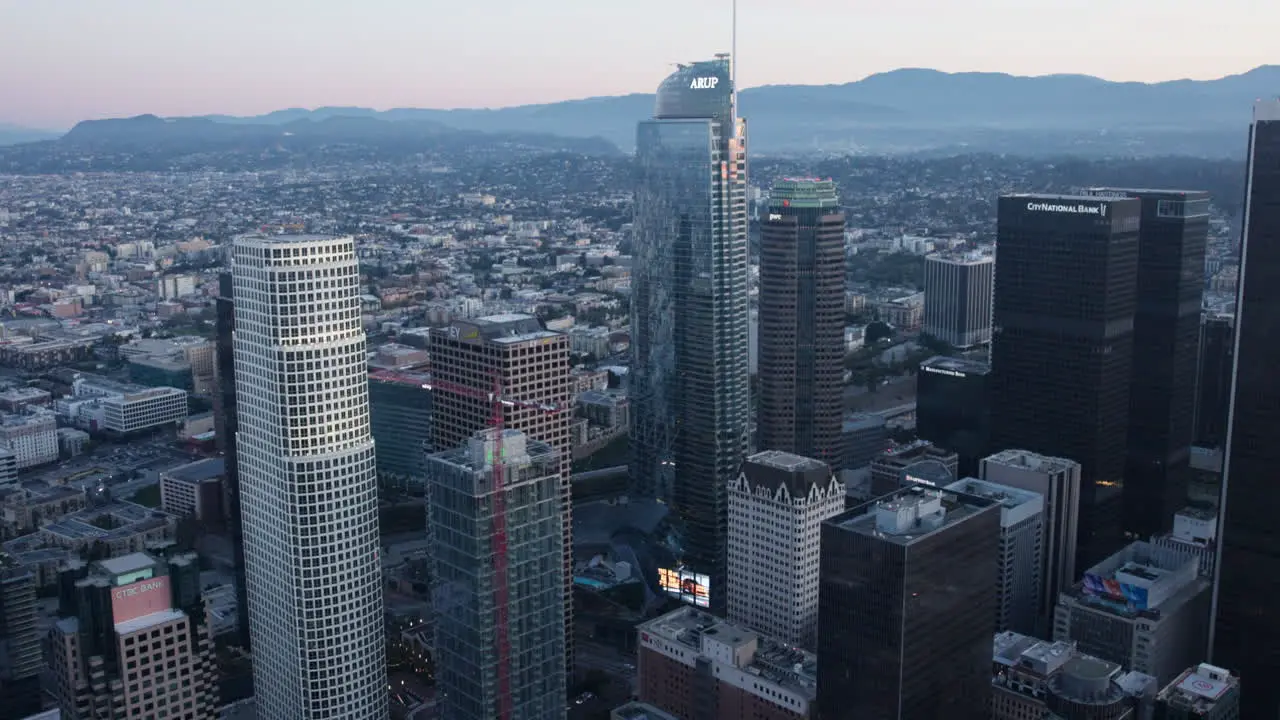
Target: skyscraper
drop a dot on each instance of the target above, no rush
(225, 426)
(1066, 288)
(1213, 379)
(530, 365)
(1247, 635)
(688, 374)
(953, 408)
(499, 629)
(1166, 328)
(907, 606)
(132, 641)
(776, 509)
(957, 298)
(801, 340)
(308, 486)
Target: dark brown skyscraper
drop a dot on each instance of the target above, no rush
(802, 274)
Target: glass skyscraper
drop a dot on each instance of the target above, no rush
(689, 308)
(1247, 635)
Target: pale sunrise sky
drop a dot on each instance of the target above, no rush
(62, 61)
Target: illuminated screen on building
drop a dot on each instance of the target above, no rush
(140, 598)
(1112, 589)
(690, 587)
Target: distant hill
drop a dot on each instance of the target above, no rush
(14, 134)
(912, 110)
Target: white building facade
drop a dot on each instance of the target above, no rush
(307, 480)
(33, 439)
(776, 508)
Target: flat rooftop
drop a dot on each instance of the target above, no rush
(149, 621)
(1009, 497)
(785, 461)
(641, 711)
(785, 666)
(1030, 461)
(199, 471)
(957, 364)
(125, 564)
(911, 514)
(1150, 192)
(287, 239)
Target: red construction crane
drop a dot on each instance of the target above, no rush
(497, 420)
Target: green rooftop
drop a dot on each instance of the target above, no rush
(804, 193)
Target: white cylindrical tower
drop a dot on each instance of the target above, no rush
(307, 480)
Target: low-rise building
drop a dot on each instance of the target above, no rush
(103, 405)
(1204, 692)
(693, 664)
(195, 490)
(20, 398)
(115, 529)
(33, 438)
(1032, 678)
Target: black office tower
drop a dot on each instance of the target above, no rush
(1166, 329)
(953, 408)
(224, 418)
(906, 607)
(1213, 380)
(1247, 633)
(802, 276)
(1065, 297)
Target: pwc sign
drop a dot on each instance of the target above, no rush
(141, 598)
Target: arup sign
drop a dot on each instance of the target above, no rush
(706, 83)
(1099, 210)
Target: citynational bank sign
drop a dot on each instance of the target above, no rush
(141, 598)
(1072, 208)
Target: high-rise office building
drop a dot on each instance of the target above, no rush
(953, 408)
(1145, 608)
(688, 374)
(225, 428)
(308, 485)
(400, 418)
(957, 297)
(1213, 380)
(497, 578)
(1066, 292)
(21, 659)
(891, 468)
(132, 641)
(1057, 480)
(1166, 327)
(1021, 575)
(776, 508)
(1247, 635)
(470, 359)
(906, 605)
(801, 345)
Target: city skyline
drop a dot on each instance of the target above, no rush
(75, 62)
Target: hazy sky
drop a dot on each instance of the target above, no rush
(66, 60)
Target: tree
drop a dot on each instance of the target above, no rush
(877, 331)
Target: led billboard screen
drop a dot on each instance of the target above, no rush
(1112, 589)
(140, 598)
(693, 588)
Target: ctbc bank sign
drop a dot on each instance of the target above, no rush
(141, 598)
(1099, 210)
(705, 83)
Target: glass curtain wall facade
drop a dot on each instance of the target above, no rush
(689, 364)
(801, 341)
(475, 624)
(1065, 297)
(225, 425)
(1166, 328)
(1247, 634)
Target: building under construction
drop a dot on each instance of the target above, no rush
(494, 523)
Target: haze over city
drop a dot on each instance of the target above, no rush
(62, 62)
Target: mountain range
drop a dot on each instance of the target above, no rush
(900, 111)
